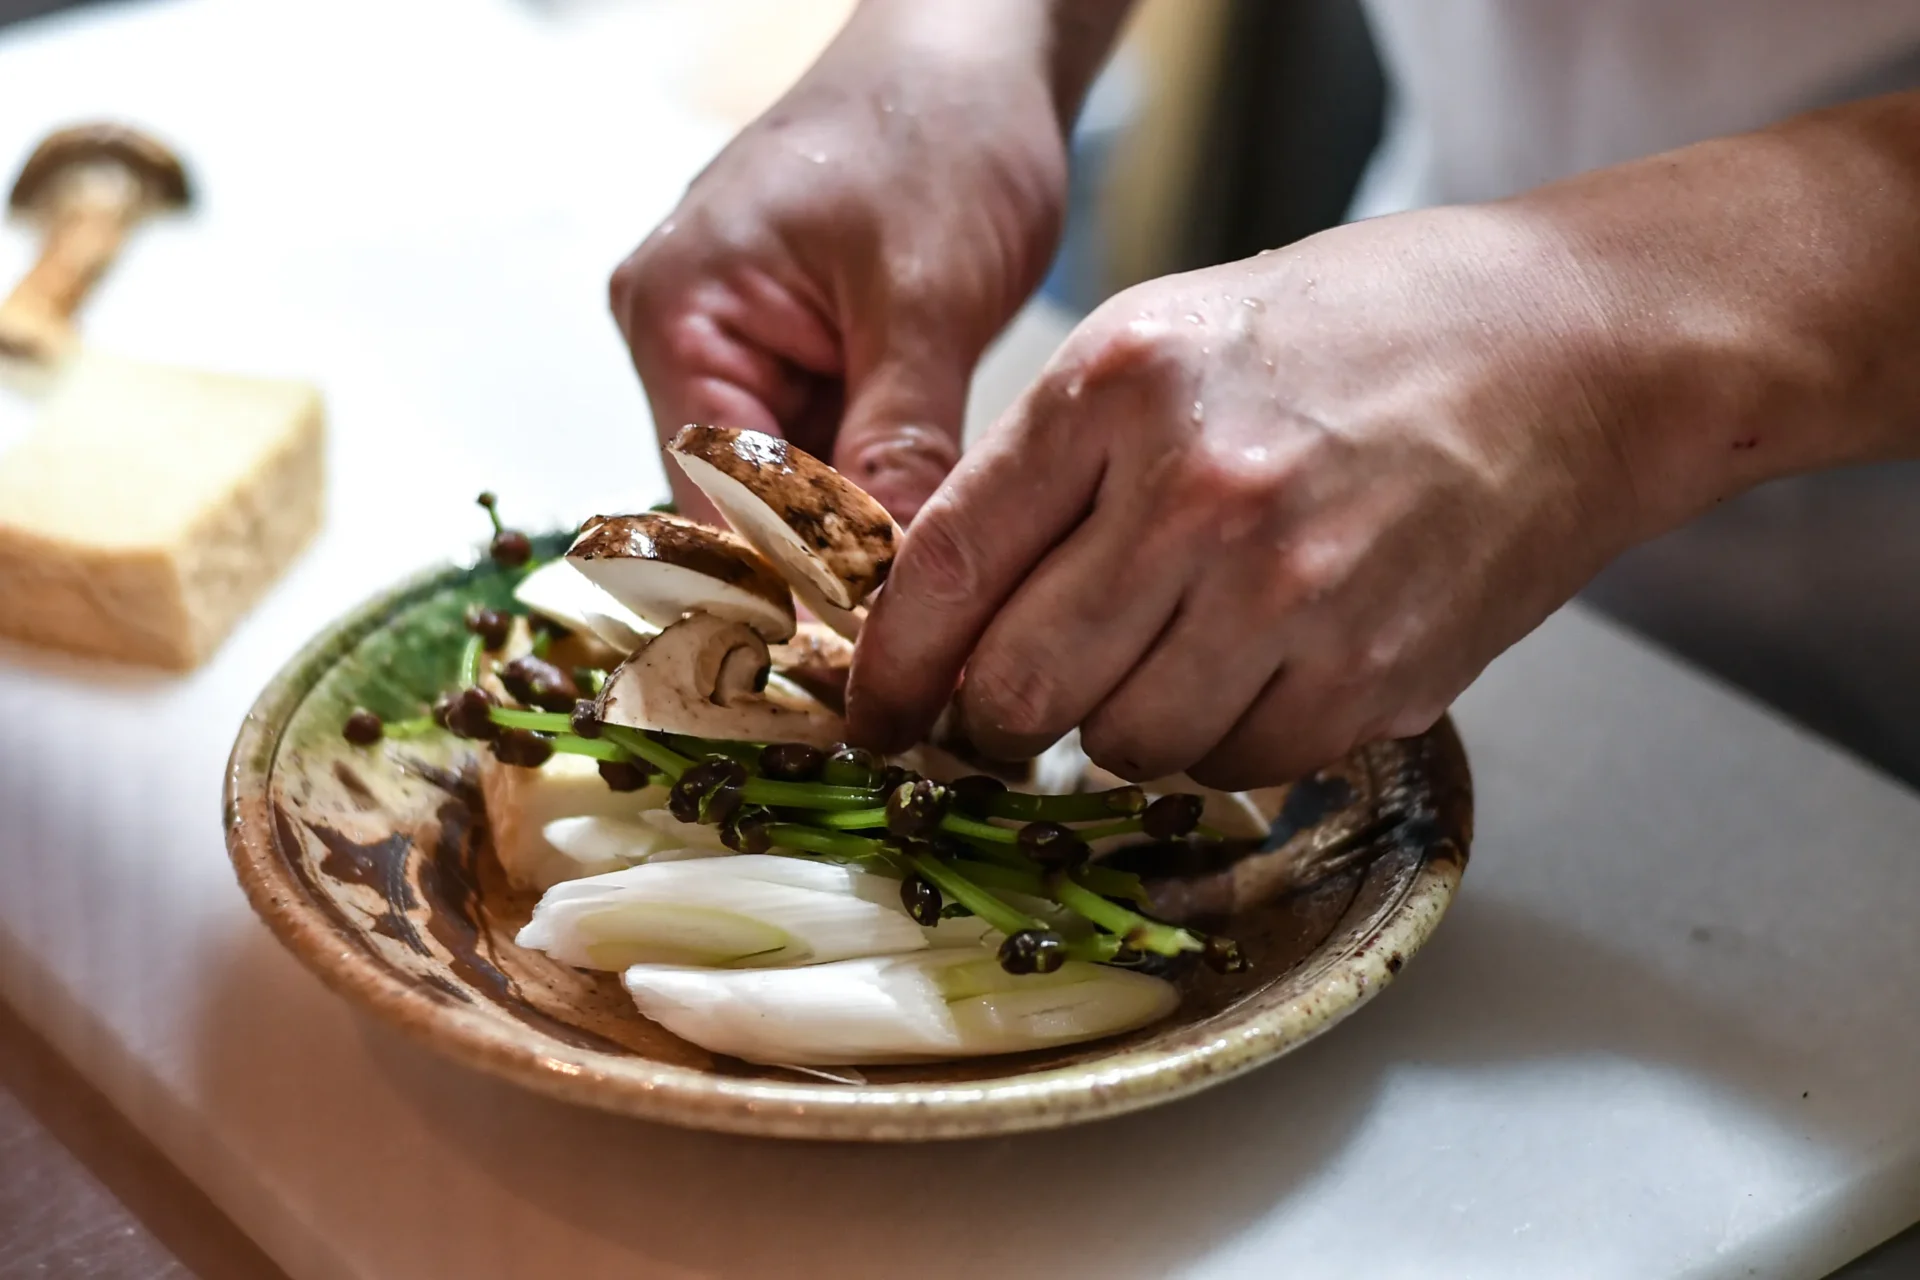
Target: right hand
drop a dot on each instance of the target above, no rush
(834, 274)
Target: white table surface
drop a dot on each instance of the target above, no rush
(1667, 1032)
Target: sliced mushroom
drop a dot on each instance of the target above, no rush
(818, 660)
(707, 676)
(664, 567)
(561, 593)
(818, 527)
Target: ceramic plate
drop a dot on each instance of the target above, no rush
(373, 866)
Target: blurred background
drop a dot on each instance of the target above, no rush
(360, 158)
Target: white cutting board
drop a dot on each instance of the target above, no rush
(1669, 1031)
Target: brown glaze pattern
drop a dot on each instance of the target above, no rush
(373, 865)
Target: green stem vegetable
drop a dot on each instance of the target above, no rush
(1128, 925)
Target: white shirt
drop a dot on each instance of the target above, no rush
(1490, 97)
(1802, 591)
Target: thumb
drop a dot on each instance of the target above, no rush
(900, 434)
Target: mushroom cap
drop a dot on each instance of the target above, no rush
(664, 567)
(706, 676)
(158, 170)
(817, 526)
(560, 592)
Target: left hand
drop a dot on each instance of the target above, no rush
(1253, 516)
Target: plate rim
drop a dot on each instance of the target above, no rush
(1054, 1097)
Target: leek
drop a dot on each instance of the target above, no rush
(899, 1008)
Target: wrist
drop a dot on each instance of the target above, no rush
(1761, 297)
(1060, 44)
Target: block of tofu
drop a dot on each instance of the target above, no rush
(150, 508)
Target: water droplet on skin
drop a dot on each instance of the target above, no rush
(1268, 361)
(817, 157)
(1194, 317)
(1263, 253)
(886, 108)
(1253, 304)
(1206, 351)
(1075, 387)
(1199, 414)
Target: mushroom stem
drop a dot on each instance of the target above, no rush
(36, 320)
(87, 186)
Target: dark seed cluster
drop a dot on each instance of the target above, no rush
(491, 625)
(467, 713)
(510, 548)
(539, 683)
(1053, 845)
(792, 762)
(914, 809)
(922, 900)
(1033, 951)
(962, 848)
(708, 792)
(363, 728)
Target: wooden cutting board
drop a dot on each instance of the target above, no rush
(1667, 1033)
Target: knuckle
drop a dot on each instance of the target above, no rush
(1112, 742)
(1014, 697)
(1411, 721)
(937, 563)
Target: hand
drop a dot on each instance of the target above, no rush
(835, 273)
(1256, 515)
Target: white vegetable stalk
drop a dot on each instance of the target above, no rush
(743, 909)
(600, 843)
(902, 1008)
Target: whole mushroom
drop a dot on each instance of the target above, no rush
(86, 186)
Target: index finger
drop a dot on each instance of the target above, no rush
(1009, 502)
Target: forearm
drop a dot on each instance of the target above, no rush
(1063, 41)
(1760, 297)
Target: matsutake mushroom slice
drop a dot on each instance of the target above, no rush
(560, 593)
(825, 534)
(707, 677)
(818, 659)
(664, 567)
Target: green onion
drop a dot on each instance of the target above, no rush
(958, 888)
(657, 754)
(854, 820)
(967, 828)
(832, 844)
(808, 795)
(1082, 806)
(469, 674)
(555, 722)
(1129, 926)
(595, 748)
